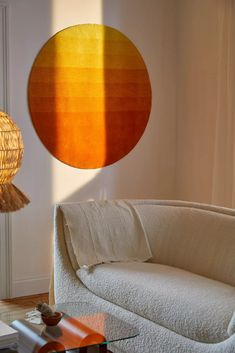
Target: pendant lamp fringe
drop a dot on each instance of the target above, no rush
(11, 198)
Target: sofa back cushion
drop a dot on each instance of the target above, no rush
(198, 238)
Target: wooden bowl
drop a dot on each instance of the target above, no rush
(52, 320)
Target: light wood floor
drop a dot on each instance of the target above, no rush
(17, 304)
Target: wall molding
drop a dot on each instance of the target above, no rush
(30, 286)
(5, 219)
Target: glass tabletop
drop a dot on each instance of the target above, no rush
(82, 325)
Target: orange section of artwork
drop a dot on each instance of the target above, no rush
(89, 95)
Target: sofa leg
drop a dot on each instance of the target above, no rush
(82, 350)
(104, 349)
(101, 349)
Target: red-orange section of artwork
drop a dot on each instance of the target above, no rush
(89, 95)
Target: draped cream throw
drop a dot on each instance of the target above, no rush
(105, 231)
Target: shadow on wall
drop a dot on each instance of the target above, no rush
(36, 158)
(126, 107)
(30, 226)
(149, 169)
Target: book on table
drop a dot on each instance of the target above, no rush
(8, 336)
(69, 334)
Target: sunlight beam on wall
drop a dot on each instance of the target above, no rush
(67, 181)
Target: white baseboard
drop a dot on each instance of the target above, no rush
(30, 286)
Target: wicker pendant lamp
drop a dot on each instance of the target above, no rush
(11, 152)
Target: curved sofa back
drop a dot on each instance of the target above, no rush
(195, 237)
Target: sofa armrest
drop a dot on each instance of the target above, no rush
(231, 326)
(227, 346)
(67, 286)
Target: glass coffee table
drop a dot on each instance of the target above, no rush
(83, 327)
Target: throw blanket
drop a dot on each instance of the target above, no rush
(106, 231)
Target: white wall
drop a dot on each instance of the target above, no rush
(147, 172)
(201, 43)
(196, 90)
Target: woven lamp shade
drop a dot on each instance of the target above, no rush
(11, 152)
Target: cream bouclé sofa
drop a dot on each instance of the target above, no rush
(183, 299)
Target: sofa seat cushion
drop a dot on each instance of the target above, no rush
(188, 304)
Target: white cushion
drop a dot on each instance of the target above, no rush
(191, 305)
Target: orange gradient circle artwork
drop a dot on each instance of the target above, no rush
(89, 95)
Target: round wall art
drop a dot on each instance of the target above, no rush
(89, 95)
